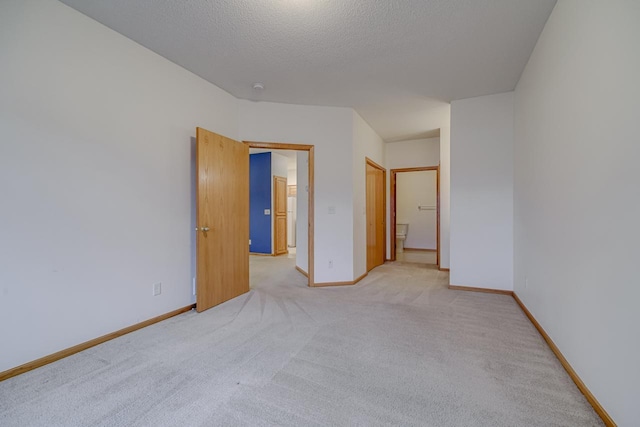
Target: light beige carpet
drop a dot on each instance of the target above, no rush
(399, 348)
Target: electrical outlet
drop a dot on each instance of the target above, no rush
(157, 289)
(330, 263)
(249, 242)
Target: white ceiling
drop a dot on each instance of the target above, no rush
(397, 62)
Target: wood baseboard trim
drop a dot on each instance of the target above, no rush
(304, 273)
(443, 268)
(353, 282)
(29, 366)
(419, 250)
(327, 284)
(360, 278)
(485, 290)
(606, 418)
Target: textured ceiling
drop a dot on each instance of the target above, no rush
(395, 61)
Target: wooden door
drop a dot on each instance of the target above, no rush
(222, 218)
(370, 216)
(375, 214)
(280, 215)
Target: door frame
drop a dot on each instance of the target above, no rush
(310, 215)
(373, 164)
(392, 213)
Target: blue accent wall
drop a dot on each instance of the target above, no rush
(260, 199)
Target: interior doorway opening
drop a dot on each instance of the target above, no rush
(415, 215)
(272, 215)
(290, 219)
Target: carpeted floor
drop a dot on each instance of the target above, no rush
(419, 257)
(399, 348)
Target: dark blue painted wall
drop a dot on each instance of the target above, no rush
(260, 199)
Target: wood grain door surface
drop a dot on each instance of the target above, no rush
(280, 215)
(375, 217)
(222, 218)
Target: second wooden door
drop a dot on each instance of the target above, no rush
(280, 215)
(376, 218)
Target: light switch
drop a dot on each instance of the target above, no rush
(267, 211)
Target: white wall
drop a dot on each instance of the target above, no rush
(482, 192)
(414, 153)
(366, 143)
(415, 189)
(576, 194)
(292, 175)
(292, 179)
(279, 165)
(96, 178)
(302, 210)
(410, 154)
(329, 129)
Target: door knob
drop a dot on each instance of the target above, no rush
(205, 229)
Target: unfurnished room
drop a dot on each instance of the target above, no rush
(319, 212)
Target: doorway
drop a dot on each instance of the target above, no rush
(375, 214)
(421, 206)
(302, 189)
(222, 216)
